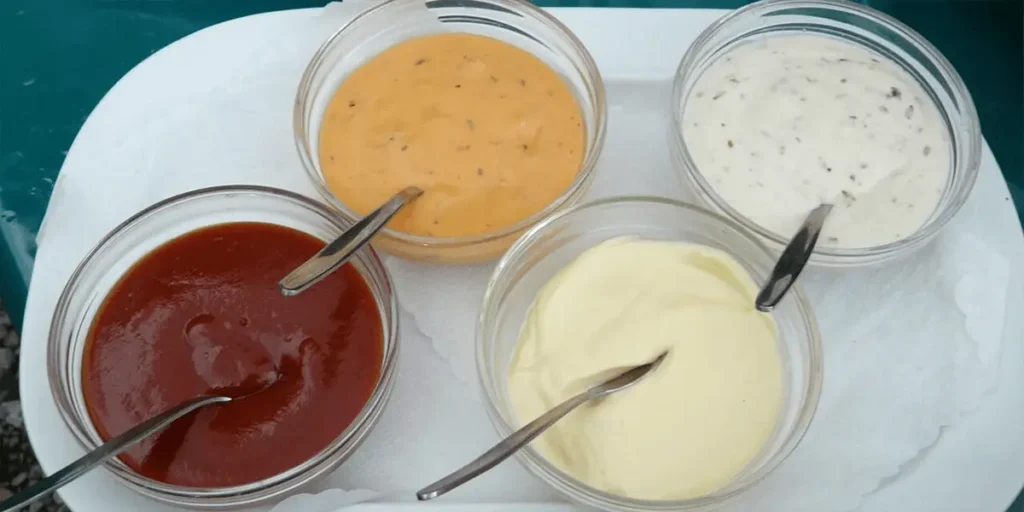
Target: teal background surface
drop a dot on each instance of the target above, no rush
(59, 57)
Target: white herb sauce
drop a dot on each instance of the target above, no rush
(786, 123)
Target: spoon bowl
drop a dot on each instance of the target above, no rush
(792, 260)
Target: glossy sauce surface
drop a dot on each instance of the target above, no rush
(697, 420)
(487, 130)
(203, 314)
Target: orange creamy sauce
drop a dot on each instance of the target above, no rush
(487, 130)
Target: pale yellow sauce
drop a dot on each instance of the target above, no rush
(487, 130)
(693, 424)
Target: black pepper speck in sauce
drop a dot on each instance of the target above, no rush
(486, 129)
(821, 120)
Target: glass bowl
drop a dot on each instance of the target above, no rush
(862, 26)
(554, 243)
(104, 266)
(515, 22)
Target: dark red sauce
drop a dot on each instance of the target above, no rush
(202, 313)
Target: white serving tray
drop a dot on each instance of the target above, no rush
(434, 423)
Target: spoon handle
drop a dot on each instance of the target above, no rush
(104, 452)
(502, 450)
(793, 259)
(336, 253)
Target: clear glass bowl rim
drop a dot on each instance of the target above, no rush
(594, 147)
(255, 492)
(948, 205)
(535, 463)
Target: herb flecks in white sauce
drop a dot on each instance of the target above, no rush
(814, 119)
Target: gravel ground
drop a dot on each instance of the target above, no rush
(18, 467)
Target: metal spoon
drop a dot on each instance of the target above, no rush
(116, 445)
(793, 259)
(523, 436)
(336, 253)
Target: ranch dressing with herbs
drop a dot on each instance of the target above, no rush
(786, 123)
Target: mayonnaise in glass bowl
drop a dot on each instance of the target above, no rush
(930, 79)
(554, 243)
(382, 26)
